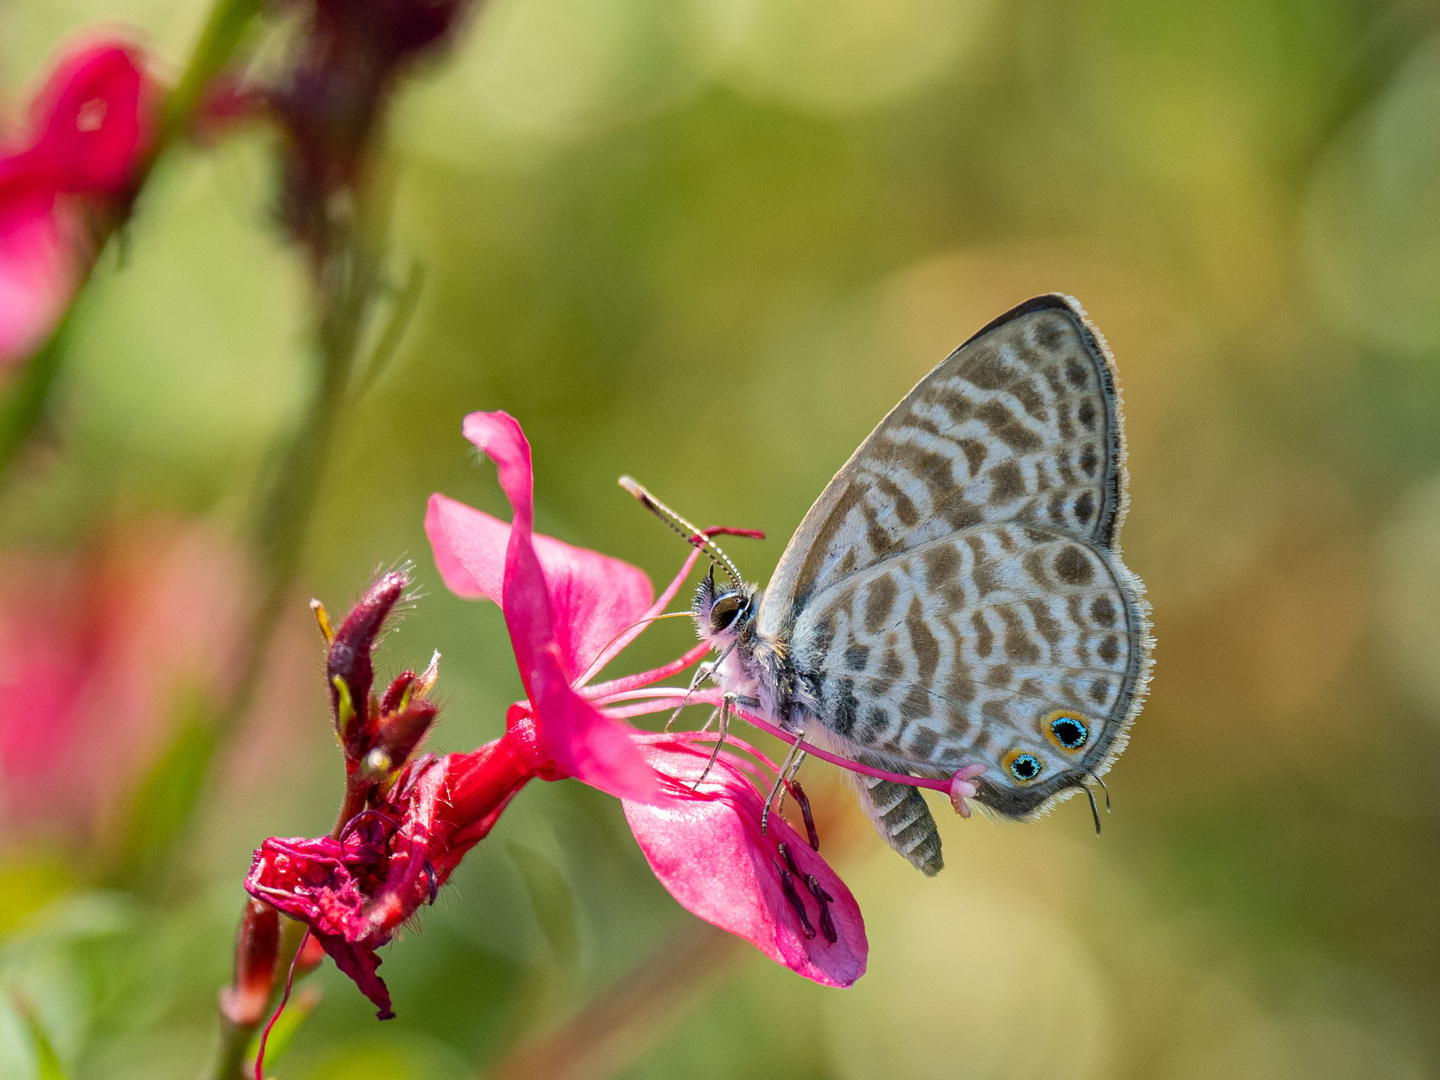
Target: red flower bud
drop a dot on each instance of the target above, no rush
(256, 944)
(349, 668)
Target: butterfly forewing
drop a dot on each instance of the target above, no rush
(1021, 423)
(970, 648)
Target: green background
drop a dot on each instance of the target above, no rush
(709, 243)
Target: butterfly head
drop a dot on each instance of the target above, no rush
(724, 613)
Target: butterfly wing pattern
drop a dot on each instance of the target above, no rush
(956, 594)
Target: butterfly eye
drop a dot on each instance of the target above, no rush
(1023, 766)
(723, 613)
(1067, 731)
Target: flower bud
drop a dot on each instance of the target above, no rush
(401, 732)
(349, 667)
(257, 943)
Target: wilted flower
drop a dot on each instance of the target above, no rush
(91, 126)
(345, 62)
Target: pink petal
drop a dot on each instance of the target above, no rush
(359, 962)
(707, 849)
(582, 741)
(93, 116)
(594, 596)
(37, 271)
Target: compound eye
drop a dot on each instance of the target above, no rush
(1024, 766)
(724, 612)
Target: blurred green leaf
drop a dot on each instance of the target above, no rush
(28, 882)
(552, 900)
(47, 1062)
(166, 798)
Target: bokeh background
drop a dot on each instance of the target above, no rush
(709, 242)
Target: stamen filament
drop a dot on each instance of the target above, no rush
(623, 639)
(834, 759)
(645, 678)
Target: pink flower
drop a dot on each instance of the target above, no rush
(406, 824)
(96, 650)
(92, 125)
(570, 611)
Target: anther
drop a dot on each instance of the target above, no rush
(787, 885)
(434, 883)
(803, 801)
(323, 618)
(789, 859)
(827, 924)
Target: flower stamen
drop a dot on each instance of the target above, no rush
(803, 801)
(823, 898)
(787, 886)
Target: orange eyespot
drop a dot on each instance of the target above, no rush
(1067, 730)
(1023, 765)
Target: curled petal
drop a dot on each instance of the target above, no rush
(707, 849)
(582, 741)
(593, 596)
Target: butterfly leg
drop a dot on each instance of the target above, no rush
(783, 775)
(725, 703)
(703, 672)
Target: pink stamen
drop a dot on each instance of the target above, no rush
(616, 647)
(960, 781)
(961, 788)
(645, 678)
(727, 530)
(653, 705)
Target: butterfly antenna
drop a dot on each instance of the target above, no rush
(691, 534)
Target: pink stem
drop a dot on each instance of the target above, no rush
(713, 697)
(616, 647)
(645, 678)
(289, 983)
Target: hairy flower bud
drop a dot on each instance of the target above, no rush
(349, 667)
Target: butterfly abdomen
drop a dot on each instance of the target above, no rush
(902, 818)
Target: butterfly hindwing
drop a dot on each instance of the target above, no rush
(1022, 422)
(993, 642)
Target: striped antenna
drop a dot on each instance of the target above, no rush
(691, 534)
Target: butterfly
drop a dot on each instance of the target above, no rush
(956, 595)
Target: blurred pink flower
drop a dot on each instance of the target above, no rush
(569, 612)
(95, 651)
(92, 125)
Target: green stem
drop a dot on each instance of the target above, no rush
(235, 1038)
